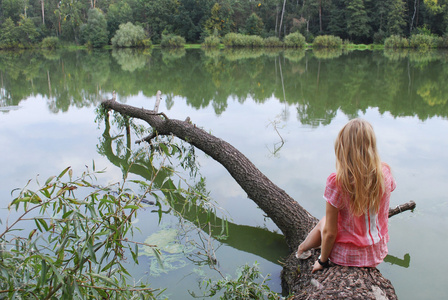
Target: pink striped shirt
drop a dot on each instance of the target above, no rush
(361, 241)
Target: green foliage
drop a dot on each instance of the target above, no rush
(130, 35)
(422, 30)
(337, 22)
(78, 245)
(327, 53)
(11, 9)
(147, 43)
(396, 17)
(423, 41)
(357, 20)
(273, 42)
(172, 41)
(295, 39)
(8, 35)
(95, 33)
(211, 42)
(396, 42)
(254, 25)
(247, 285)
(379, 37)
(239, 40)
(27, 32)
(444, 42)
(69, 17)
(51, 42)
(327, 41)
(118, 13)
(360, 21)
(215, 22)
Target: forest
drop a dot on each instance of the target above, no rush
(25, 23)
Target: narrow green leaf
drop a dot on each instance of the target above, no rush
(43, 274)
(77, 290)
(158, 255)
(57, 273)
(131, 206)
(37, 224)
(123, 270)
(49, 180)
(139, 182)
(104, 279)
(134, 254)
(63, 172)
(43, 223)
(108, 266)
(65, 215)
(32, 233)
(91, 251)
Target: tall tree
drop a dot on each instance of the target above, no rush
(27, 32)
(157, 16)
(118, 13)
(96, 30)
(42, 3)
(214, 22)
(11, 9)
(281, 19)
(395, 18)
(338, 24)
(8, 34)
(254, 25)
(357, 21)
(71, 14)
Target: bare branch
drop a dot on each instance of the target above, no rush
(401, 208)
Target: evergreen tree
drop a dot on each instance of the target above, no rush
(338, 24)
(27, 32)
(8, 35)
(254, 25)
(396, 18)
(214, 22)
(357, 21)
(96, 32)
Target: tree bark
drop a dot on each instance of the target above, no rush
(281, 19)
(292, 219)
(42, 2)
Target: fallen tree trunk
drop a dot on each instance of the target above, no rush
(289, 216)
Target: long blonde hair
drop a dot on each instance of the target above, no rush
(358, 166)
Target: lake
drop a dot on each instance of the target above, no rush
(282, 109)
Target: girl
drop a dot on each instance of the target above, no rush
(354, 229)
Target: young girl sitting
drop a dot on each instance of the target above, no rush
(354, 229)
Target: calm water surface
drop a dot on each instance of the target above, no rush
(282, 109)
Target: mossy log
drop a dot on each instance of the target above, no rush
(291, 218)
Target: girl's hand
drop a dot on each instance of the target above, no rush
(317, 267)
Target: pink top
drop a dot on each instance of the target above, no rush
(361, 241)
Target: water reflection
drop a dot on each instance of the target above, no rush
(258, 241)
(131, 59)
(318, 83)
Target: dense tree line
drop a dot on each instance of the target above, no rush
(27, 22)
(403, 83)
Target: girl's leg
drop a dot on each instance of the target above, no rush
(313, 239)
